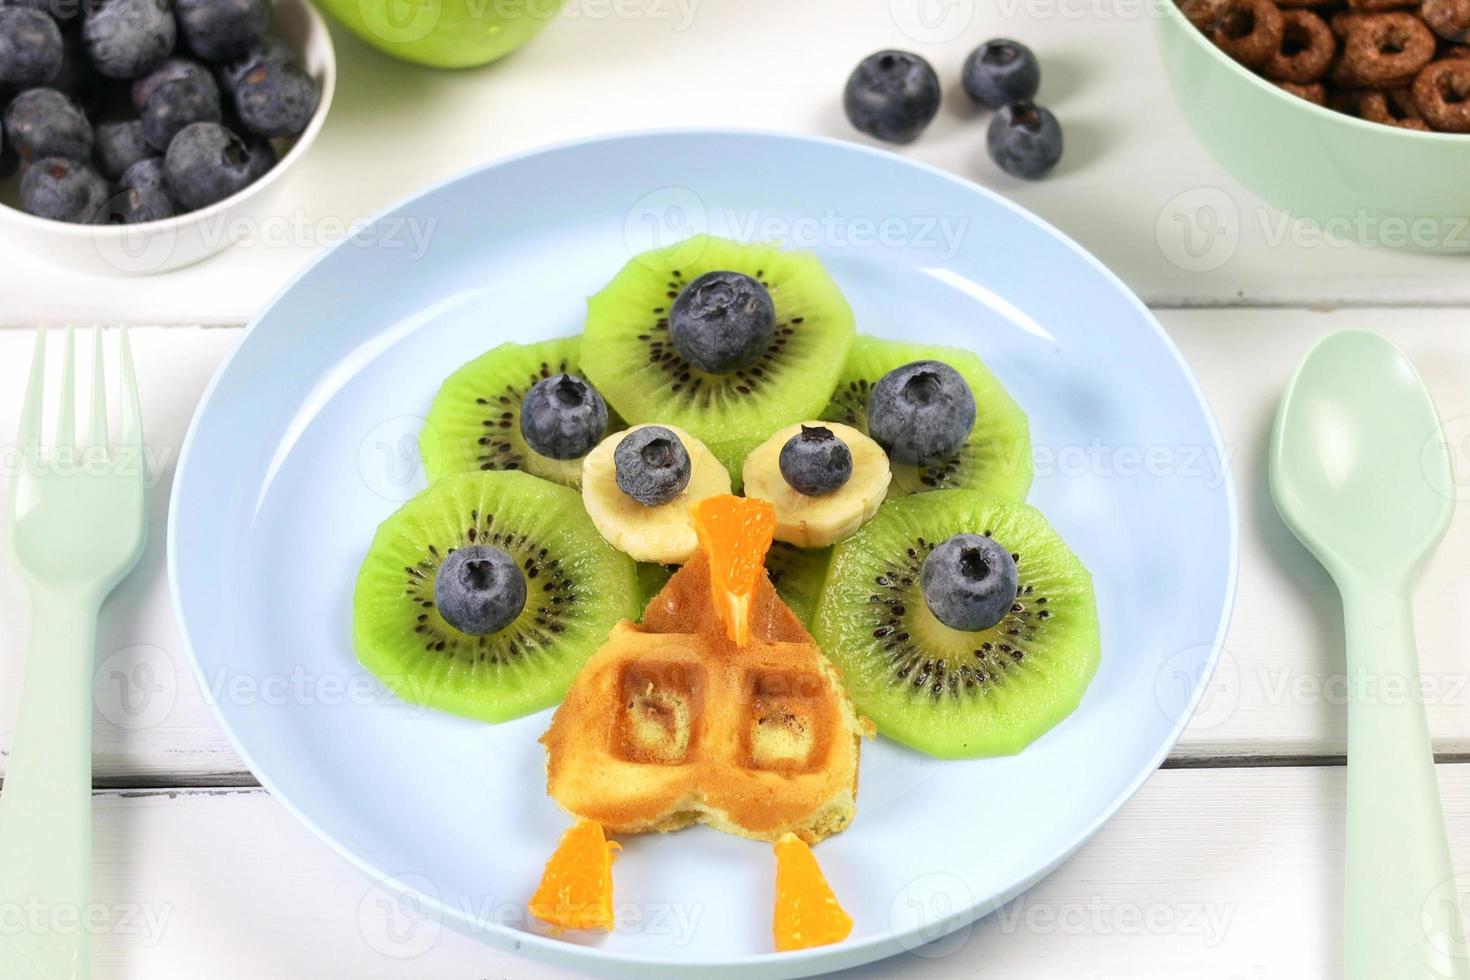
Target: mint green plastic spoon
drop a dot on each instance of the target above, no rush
(1362, 477)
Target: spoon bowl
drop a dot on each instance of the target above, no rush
(1359, 468)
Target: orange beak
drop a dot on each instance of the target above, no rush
(735, 533)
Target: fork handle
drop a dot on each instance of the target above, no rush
(46, 803)
(1403, 912)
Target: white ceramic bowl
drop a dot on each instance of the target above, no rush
(158, 246)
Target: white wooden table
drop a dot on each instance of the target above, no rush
(1227, 866)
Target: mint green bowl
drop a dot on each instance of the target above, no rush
(1356, 180)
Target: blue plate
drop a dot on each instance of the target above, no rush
(305, 442)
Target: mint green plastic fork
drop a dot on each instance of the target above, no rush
(75, 528)
(1361, 473)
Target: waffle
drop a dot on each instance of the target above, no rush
(671, 724)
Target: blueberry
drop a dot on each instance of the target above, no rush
(134, 206)
(479, 590)
(205, 163)
(170, 70)
(1024, 140)
(61, 11)
(217, 30)
(563, 417)
(145, 174)
(652, 465)
(30, 47)
(128, 38)
(119, 145)
(815, 462)
(722, 322)
(892, 95)
(62, 190)
(1000, 72)
(969, 582)
(921, 412)
(276, 100)
(270, 50)
(176, 102)
(41, 122)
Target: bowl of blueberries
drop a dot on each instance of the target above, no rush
(139, 136)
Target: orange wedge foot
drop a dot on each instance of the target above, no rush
(576, 888)
(736, 533)
(807, 913)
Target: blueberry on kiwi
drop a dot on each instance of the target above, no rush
(576, 588)
(631, 355)
(994, 457)
(476, 420)
(563, 417)
(920, 412)
(959, 693)
(479, 590)
(722, 321)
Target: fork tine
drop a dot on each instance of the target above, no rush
(98, 434)
(132, 414)
(29, 434)
(66, 421)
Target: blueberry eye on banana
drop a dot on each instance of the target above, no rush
(825, 480)
(815, 462)
(651, 465)
(479, 590)
(638, 487)
(722, 322)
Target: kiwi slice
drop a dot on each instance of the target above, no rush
(995, 459)
(951, 693)
(577, 588)
(475, 420)
(628, 354)
(797, 574)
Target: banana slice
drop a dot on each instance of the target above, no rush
(663, 533)
(815, 522)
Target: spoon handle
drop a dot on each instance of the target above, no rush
(1403, 913)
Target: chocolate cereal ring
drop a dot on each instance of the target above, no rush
(1248, 30)
(1442, 95)
(1377, 6)
(1316, 93)
(1394, 108)
(1306, 50)
(1450, 19)
(1343, 21)
(1384, 51)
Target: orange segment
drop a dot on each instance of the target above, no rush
(576, 887)
(807, 913)
(736, 533)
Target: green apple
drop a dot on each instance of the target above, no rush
(444, 33)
